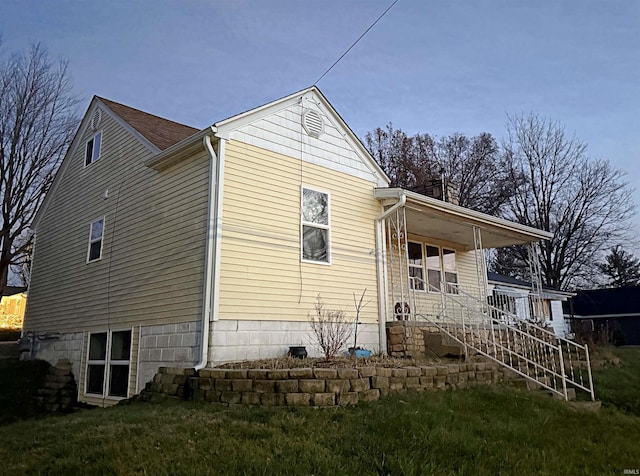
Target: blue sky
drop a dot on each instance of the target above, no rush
(428, 66)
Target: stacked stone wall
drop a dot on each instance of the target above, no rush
(307, 386)
(59, 392)
(406, 338)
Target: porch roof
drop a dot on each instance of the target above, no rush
(445, 221)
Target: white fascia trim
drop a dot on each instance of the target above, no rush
(477, 218)
(226, 126)
(356, 143)
(179, 151)
(125, 125)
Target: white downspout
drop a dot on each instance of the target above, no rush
(209, 253)
(382, 266)
(218, 228)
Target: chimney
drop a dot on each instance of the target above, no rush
(439, 188)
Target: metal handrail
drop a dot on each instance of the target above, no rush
(538, 353)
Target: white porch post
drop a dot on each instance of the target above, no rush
(536, 281)
(381, 256)
(481, 265)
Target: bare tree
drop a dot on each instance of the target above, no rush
(476, 167)
(331, 328)
(473, 164)
(37, 122)
(621, 268)
(408, 161)
(585, 202)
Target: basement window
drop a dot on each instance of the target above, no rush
(108, 364)
(92, 149)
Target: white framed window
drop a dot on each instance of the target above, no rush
(315, 226)
(437, 263)
(450, 270)
(92, 149)
(108, 364)
(416, 266)
(96, 234)
(434, 275)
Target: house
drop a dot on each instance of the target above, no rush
(12, 307)
(608, 315)
(163, 245)
(520, 298)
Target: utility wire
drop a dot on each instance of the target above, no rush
(355, 42)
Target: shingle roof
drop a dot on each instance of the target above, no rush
(501, 278)
(161, 132)
(603, 302)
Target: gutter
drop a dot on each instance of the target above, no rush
(211, 290)
(209, 254)
(382, 268)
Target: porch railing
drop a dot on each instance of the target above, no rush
(521, 345)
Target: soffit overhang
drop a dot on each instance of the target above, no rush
(433, 218)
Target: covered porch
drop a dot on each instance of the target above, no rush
(432, 277)
(430, 248)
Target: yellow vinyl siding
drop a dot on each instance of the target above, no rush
(261, 275)
(152, 259)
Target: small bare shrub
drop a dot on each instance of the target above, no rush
(331, 328)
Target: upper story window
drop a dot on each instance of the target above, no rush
(96, 233)
(92, 150)
(315, 226)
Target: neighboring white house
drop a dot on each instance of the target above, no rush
(515, 296)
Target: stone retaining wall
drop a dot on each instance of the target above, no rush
(59, 392)
(407, 338)
(307, 386)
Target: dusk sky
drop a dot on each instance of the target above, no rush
(428, 66)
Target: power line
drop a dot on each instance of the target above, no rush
(355, 42)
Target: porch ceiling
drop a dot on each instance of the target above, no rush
(434, 218)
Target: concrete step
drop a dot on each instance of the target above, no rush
(442, 345)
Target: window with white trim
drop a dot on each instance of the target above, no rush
(108, 364)
(92, 149)
(439, 265)
(416, 266)
(433, 267)
(96, 234)
(450, 270)
(315, 226)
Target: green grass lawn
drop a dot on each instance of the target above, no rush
(619, 386)
(475, 431)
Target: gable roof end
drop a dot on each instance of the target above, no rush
(161, 132)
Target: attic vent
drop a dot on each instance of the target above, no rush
(312, 122)
(95, 119)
